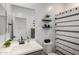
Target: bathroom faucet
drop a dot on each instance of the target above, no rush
(21, 40)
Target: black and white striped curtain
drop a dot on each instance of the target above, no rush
(67, 32)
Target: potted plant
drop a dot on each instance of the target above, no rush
(7, 43)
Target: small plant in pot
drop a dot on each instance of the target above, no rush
(7, 43)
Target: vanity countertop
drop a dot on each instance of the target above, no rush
(16, 49)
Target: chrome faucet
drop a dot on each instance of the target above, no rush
(21, 40)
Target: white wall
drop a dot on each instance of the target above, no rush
(41, 33)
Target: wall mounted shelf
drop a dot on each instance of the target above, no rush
(46, 27)
(45, 20)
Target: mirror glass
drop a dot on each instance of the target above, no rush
(20, 27)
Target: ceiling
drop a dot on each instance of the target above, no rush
(48, 7)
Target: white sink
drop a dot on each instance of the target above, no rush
(26, 48)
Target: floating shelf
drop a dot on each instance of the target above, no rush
(46, 27)
(45, 20)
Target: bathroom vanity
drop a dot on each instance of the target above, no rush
(29, 48)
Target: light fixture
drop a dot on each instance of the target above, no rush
(49, 8)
